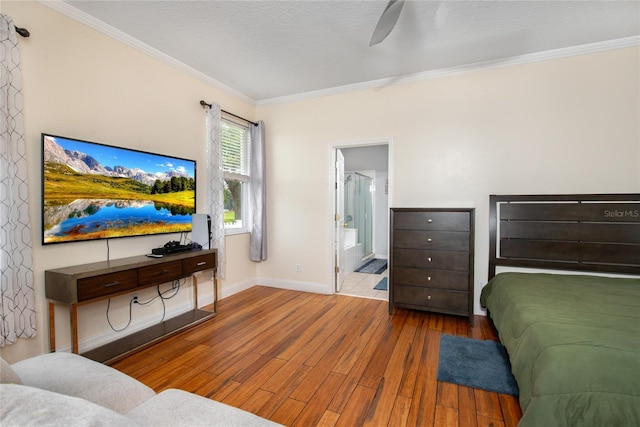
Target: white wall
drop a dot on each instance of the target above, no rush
(80, 83)
(568, 125)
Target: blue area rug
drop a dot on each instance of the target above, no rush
(382, 285)
(473, 363)
(375, 266)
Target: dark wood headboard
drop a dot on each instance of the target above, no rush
(577, 232)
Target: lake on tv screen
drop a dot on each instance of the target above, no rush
(93, 219)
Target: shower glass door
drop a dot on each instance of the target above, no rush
(359, 208)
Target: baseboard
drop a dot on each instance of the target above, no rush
(234, 288)
(292, 285)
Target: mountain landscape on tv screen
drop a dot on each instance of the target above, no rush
(86, 199)
(83, 163)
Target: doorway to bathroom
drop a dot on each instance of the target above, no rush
(361, 230)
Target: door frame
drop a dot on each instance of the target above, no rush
(332, 191)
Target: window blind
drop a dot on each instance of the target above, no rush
(235, 148)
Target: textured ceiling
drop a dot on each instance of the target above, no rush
(271, 49)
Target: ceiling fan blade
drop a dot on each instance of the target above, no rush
(387, 21)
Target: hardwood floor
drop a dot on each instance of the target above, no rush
(304, 359)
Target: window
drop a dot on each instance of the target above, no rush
(235, 167)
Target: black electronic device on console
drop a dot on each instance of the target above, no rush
(174, 247)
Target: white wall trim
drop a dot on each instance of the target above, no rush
(295, 285)
(452, 71)
(98, 25)
(233, 289)
(110, 31)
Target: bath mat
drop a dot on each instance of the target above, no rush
(382, 285)
(375, 266)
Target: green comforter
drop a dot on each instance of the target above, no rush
(574, 346)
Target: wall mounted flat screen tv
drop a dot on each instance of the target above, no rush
(96, 191)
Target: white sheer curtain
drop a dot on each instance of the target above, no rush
(17, 296)
(258, 189)
(215, 184)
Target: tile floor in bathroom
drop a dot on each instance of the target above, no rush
(361, 285)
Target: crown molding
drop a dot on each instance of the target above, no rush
(96, 24)
(451, 71)
(77, 15)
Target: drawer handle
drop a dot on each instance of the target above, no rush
(429, 259)
(165, 271)
(429, 220)
(429, 297)
(428, 278)
(201, 263)
(429, 240)
(108, 285)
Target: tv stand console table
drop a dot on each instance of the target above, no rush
(89, 283)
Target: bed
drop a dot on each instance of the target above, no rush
(572, 334)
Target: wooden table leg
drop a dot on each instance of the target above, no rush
(215, 291)
(52, 327)
(194, 283)
(74, 328)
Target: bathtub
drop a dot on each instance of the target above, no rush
(352, 250)
(350, 237)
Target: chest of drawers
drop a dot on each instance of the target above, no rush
(431, 260)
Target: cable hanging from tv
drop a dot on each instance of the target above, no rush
(22, 31)
(206, 104)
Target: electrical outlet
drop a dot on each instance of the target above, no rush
(298, 269)
(135, 299)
